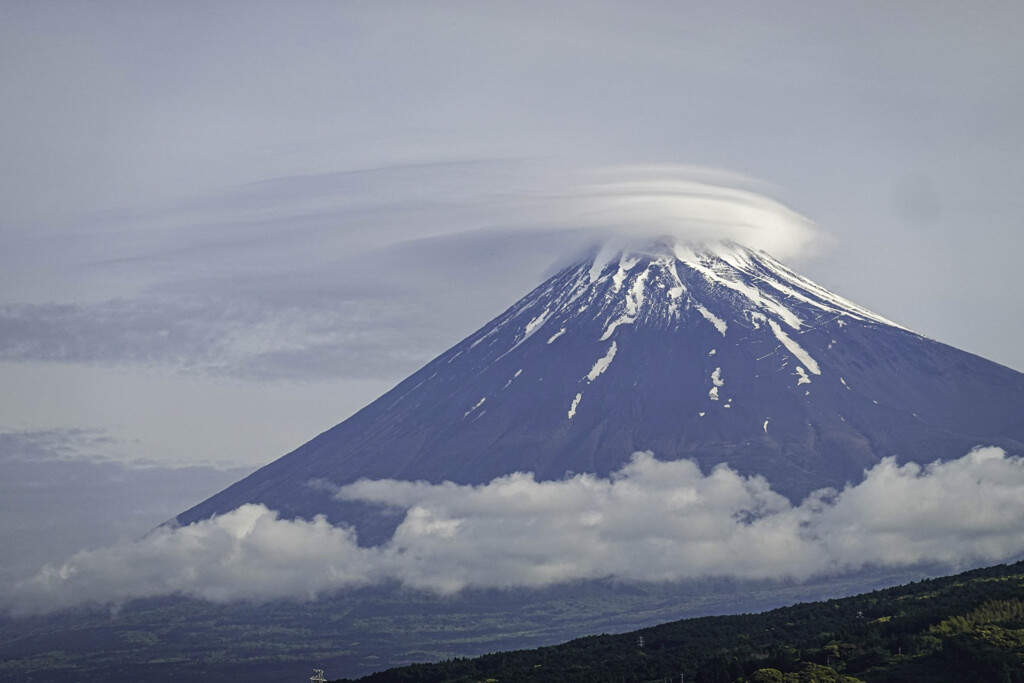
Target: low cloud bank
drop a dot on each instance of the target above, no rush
(650, 521)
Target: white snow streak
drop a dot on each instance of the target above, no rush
(625, 265)
(610, 330)
(556, 335)
(602, 364)
(674, 293)
(535, 324)
(529, 330)
(839, 303)
(484, 336)
(634, 300)
(755, 295)
(795, 348)
(575, 402)
(713, 319)
(803, 378)
(512, 379)
(478, 404)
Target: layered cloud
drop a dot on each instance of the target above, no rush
(364, 274)
(219, 335)
(687, 203)
(650, 521)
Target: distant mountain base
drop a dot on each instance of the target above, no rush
(359, 632)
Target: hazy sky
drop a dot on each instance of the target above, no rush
(227, 226)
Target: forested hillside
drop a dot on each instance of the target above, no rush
(968, 627)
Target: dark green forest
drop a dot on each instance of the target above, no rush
(968, 627)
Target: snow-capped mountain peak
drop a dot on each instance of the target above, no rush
(666, 284)
(713, 352)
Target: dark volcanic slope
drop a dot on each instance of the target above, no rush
(716, 354)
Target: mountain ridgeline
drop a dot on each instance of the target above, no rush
(719, 354)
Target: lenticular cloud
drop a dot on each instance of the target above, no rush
(650, 521)
(690, 204)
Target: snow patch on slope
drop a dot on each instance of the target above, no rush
(716, 382)
(625, 265)
(635, 300)
(633, 303)
(795, 348)
(675, 293)
(832, 301)
(602, 364)
(575, 402)
(713, 319)
(535, 324)
(512, 379)
(478, 404)
(751, 293)
(610, 330)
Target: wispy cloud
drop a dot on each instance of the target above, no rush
(650, 521)
(219, 335)
(394, 262)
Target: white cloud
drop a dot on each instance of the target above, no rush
(943, 512)
(397, 263)
(689, 203)
(650, 521)
(248, 553)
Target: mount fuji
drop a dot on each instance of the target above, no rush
(714, 353)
